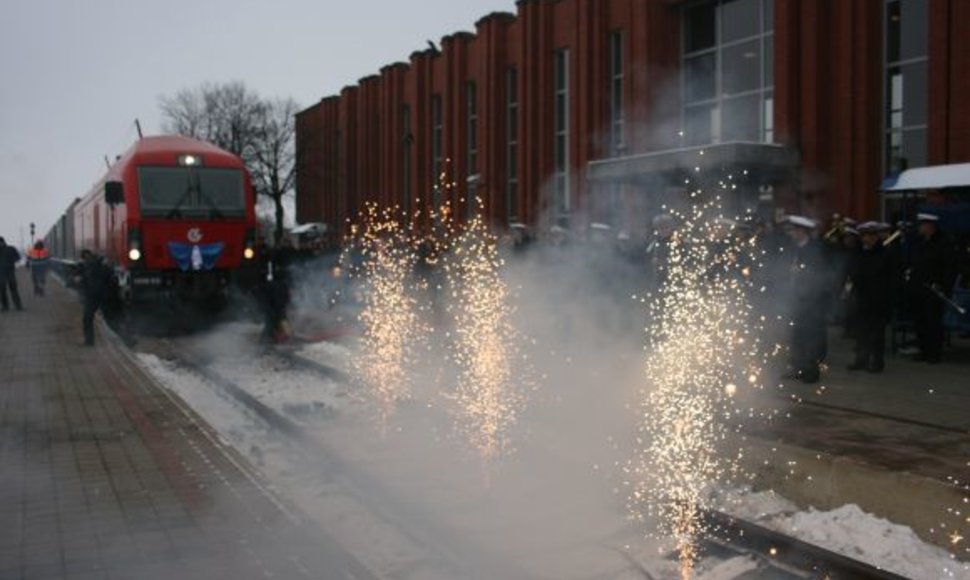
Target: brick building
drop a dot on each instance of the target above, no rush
(574, 111)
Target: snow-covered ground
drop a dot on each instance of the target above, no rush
(412, 502)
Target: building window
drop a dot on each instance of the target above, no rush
(472, 108)
(906, 84)
(437, 149)
(407, 139)
(512, 146)
(728, 77)
(561, 124)
(617, 113)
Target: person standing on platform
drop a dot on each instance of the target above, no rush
(95, 283)
(9, 256)
(38, 260)
(871, 278)
(810, 289)
(930, 280)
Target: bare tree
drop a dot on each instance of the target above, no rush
(260, 131)
(273, 158)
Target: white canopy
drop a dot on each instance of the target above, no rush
(933, 177)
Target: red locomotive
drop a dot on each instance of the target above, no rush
(174, 216)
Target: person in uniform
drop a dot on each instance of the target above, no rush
(96, 283)
(809, 281)
(9, 256)
(658, 250)
(930, 281)
(871, 282)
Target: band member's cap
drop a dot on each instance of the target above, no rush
(802, 222)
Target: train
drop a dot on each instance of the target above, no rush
(175, 217)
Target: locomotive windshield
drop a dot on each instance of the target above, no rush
(175, 192)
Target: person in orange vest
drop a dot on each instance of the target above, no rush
(39, 260)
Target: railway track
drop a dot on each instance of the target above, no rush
(782, 556)
(448, 558)
(776, 555)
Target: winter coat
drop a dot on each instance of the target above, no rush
(873, 280)
(811, 280)
(97, 280)
(932, 263)
(9, 256)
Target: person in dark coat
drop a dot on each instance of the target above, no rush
(274, 293)
(658, 250)
(96, 284)
(810, 282)
(930, 278)
(871, 279)
(9, 256)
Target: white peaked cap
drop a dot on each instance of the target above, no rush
(927, 217)
(599, 226)
(802, 221)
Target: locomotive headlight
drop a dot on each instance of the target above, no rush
(134, 245)
(249, 253)
(190, 160)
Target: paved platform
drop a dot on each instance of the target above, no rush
(897, 443)
(104, 475)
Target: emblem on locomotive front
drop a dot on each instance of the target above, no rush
(194, 235)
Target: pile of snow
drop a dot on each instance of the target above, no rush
(854, 533)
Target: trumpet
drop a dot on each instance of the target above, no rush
(892, 238)
(838, 225)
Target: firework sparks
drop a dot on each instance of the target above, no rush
(392, 328)
(484, 347)
(703, 347)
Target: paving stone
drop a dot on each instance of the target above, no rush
(104, 477)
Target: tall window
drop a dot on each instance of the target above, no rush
(561, 113)
(728, 71)
(906, 84)
(617, 114)
(512, 146)
(407, 142)
(472, 108)
(437, 148)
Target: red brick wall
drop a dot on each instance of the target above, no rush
(829, 105)
(949, 105)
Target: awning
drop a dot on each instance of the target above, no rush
(933, 177)
(764, 157)
(312, 229)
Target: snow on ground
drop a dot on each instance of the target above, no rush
(412, 505)
(850, 531)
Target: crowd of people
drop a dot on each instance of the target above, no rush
(869, 278)
(38, 261)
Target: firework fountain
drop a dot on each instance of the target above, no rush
(703, 349)
(393, 330)
(480, 342)
(484, 345)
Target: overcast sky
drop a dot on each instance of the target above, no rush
(74, 74)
